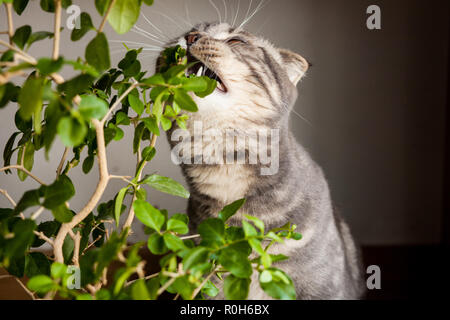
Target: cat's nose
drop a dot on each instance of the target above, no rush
(192, 38)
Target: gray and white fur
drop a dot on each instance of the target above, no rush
(260, 82)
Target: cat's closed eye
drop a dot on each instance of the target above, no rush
(235, 41)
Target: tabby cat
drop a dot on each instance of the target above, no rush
(256, 91)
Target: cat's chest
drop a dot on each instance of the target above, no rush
(225, 183)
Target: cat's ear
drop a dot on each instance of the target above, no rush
(295, 65)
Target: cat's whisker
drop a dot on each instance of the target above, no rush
(145, 45)
(226, 13)
(258, 8)
(145, 35)
(217, 10)
(237, 13)
(155, 27)
(186, 9)
(170, 19)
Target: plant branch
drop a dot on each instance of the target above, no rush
(76, 250)
(105, 17)
(199, 288)
(7, 196)
(57, 29)
(190, 237)
(95, 198)
(31, 294)
(119, 101)
(25, 56)
(21, 168)
(10, 21)
(61, 162)
(37, 213)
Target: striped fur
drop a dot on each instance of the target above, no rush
(261, 81)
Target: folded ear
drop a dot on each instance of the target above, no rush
(295, 64)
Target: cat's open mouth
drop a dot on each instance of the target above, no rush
(200, 69)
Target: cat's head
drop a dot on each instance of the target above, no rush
(254, 78)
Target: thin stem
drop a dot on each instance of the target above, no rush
(118, 102)
(190, 237)
(26, 57)
(19, 167)
(102, 24)
(197, 290)
(10, 21)
(25, 288)
(42, 236)
(145, 278)
(61, 163)
(166, 285)
(57, 29)
(95, 198)
(37, 213)
(76, 250)
(7, 196)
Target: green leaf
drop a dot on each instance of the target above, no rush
(58, 192)
(71, 131)
(148, 153)
(22, 240)
(177, 226)
(212, 231)
(118, 204)
(265, 276)
(58, 270)
(236, 262)
(28, 159)
(148, 215)
(136, 104)
(123, 15)
(29, 199)
(228, 211)
(92, 106)
(76, 85)
(211, 86)
(101, 6)
(195, 84)
(210, 289)
(139, 290)
(20, 5)
(249, 230)
(41, 284)
(236, 288)
(88, 163)
(258, 223)
(166, 123)
(155, 80)
(21, 36)
(48, 66)
(85, 26)
(173, 242)
(97, 53)
(165, 184)
(68, 247)
(156, 244)
(36, 263)
(195, 256)
(62, 213)
(38, 36)
(184, 100)
(151, 124)
(281, 286)
(30, 97)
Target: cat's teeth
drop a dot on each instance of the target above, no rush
(200, 71)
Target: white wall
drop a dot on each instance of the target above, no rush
(375, 101)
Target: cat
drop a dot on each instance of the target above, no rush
(256, 90)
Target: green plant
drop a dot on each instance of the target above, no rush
(87, 112)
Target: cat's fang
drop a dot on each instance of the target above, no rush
(200, 71)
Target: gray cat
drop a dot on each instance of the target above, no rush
(255, 93)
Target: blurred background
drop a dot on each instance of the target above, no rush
(375, 103)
